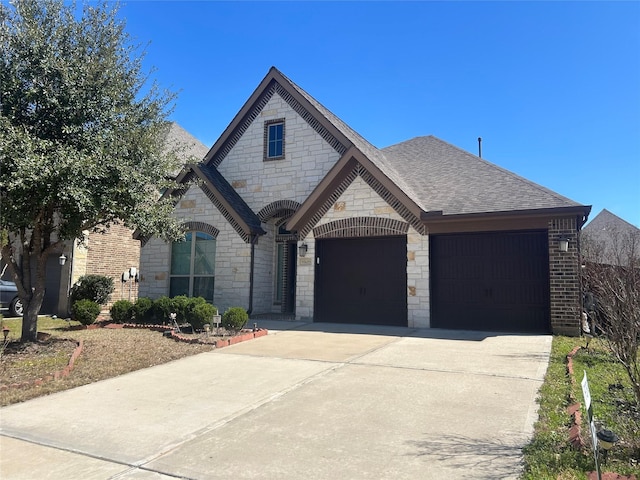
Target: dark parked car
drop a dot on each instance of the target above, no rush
(9, 298)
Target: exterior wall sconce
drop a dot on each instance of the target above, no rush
(564, 244)
(302, 249)
(62, 259)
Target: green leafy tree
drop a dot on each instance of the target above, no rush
(81, 137)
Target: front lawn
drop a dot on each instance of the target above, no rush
(550, 455)
(107, 353)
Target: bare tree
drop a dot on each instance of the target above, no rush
(612, 279)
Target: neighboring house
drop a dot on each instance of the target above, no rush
(295, 214)
(110, 253)
(608, 239)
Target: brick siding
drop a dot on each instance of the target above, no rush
(112, 253)
(564, 277)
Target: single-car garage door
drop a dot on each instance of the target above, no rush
(361, 280)
(490, 281)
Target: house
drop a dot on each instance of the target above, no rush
(293, 213)
(608, 239)
(109, 253)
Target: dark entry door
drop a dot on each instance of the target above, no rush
(490, 281)
(361, 280)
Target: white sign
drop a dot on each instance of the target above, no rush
(585, 392)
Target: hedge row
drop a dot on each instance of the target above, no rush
(193, 310)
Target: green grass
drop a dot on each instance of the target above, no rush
(549, 455)
(45, 323)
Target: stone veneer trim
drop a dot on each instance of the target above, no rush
(259, 104)
(361, 227)
(378, 187)
(201, 227)
(277, 207)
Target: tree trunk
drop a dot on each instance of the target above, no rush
(30, 321)
(29, 276)
(33, 303)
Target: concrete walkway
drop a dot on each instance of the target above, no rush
(308, 401)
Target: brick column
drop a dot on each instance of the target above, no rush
(564, 277)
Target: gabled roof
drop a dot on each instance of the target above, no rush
(608, 234)
(228, 201)
(423, 176)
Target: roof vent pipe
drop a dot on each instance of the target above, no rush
(480, 147)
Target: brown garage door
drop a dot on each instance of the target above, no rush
(361, 280)
(490, 281)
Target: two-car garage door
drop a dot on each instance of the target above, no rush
(495, 281)
(490, 281)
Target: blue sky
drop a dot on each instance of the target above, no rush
(553, 88)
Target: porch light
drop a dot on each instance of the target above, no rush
(302, 249)
(564, 244)
(132, 272)
(62, 259)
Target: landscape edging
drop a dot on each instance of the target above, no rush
(243, 337)
(57, 375)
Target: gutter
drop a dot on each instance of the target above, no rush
(437, 216)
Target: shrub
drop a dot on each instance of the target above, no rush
(162, 307)
(235, 318)
(181, 306)
(96, 288)
(85, 311)
(121, 311)
(202, 313)
(143, 310)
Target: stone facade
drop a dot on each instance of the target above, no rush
(307, 160)
(232, 255)
(360, 201)
(353, 203)
(261, 184)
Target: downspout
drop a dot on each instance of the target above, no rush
(254, 240)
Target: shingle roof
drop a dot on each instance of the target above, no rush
(232, 197)
(444, 177)
(439, 176)
(605, 230)
(425, 174)
(376, 156)
(188, 148)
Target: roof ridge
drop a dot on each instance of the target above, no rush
(323, 110)
(615, 217)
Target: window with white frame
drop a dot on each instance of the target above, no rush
(193, 265)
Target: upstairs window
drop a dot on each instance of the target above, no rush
(274, 139)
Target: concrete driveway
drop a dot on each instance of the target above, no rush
(318, 401)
